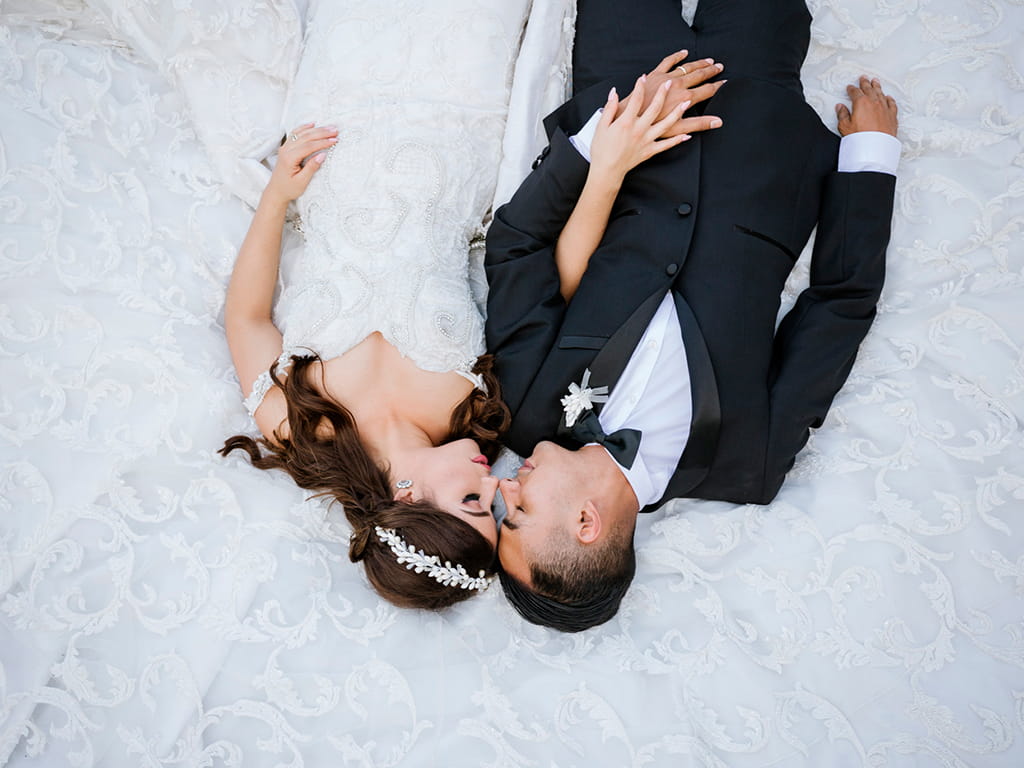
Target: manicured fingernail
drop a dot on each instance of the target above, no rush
(611, 93)
(716, 122)
(686, 137)
(719, 66)
(682, 107)
(321, 157)
(643, 78)
(666, 85)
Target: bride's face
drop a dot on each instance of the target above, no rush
(457, 478)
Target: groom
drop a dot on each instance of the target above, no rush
(635, 281)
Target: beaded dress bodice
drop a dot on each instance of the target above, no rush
(389, 217)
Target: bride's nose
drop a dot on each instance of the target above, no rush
(488, 489)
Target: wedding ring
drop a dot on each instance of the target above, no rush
(683, 67)
(293, 137)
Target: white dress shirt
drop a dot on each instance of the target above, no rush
(653, 393)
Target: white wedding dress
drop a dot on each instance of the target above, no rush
(419, 93)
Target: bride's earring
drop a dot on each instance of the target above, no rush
(403, 484)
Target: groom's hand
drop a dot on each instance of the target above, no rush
(872, 109)
(688, 83)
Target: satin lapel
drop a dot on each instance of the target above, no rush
(707, 415)
(610, 362)
(612, 359)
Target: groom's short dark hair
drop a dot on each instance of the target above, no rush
(578, 588)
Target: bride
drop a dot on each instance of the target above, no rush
(367, 379)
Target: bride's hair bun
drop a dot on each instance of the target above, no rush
(358, 541)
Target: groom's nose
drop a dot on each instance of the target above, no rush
(509, 488)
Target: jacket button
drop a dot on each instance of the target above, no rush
(684, 209)
(671, 269)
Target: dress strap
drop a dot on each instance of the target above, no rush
(476, 379)
(263, 383)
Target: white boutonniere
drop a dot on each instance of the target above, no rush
(581, 398)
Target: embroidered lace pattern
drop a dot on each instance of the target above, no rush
(263, 383)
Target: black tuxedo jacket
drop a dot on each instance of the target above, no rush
(719, 221)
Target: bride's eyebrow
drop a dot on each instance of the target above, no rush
(481, 513)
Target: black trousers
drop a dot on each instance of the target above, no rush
(759, 39)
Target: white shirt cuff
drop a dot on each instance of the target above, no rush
(585, 137)
(869, 151)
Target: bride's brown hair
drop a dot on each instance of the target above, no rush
(335, 463)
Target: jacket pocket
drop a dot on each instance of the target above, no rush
(582, 342)
(768, 239)
(625, 212)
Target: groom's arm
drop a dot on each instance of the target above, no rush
(525, 306)
(524, 303)
(817, 341)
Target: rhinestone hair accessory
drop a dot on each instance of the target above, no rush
(416, 560)
(403, 484)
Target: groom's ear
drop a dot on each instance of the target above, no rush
(588, 526)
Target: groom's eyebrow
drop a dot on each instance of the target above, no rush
(508, 524)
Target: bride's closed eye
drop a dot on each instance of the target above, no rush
(473, 500)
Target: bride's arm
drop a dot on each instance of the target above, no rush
(253, 339)
(625, 136)
(623, 140)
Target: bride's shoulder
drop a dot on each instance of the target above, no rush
(271, 416)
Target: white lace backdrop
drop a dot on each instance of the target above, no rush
(161, 606)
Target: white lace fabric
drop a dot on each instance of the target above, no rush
(263, 384)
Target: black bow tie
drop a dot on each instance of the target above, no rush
(622, 444)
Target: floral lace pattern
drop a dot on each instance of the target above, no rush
(262, 385)
(162, 606)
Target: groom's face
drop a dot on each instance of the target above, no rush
(536, 501)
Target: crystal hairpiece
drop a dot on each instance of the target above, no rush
(416, 560)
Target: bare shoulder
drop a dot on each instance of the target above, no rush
(272, 415)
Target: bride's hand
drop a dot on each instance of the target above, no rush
(300, 156)
(689, 83)
(627, 137)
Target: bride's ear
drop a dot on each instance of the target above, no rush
(403, 494)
